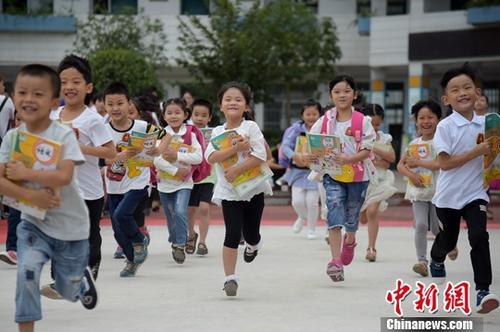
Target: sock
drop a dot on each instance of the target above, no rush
(231, 277)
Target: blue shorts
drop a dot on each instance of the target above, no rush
(34, 249)
(344, 201)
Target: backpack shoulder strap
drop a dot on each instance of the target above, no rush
(324, 125)
(3, 103)
(357, 126)
(187, 135)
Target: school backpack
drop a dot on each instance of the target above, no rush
(357, 133)
(294, 130)
(201, 171)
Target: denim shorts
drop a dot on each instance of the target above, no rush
(34, 249)
(344, 201)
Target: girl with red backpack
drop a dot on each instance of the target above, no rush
(345, 190)
(176, 172)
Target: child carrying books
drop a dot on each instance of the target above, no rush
(62, 233)
(175, 173)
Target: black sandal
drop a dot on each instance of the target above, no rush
(202, 249)
(191, 244)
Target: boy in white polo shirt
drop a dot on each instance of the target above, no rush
(459, 189)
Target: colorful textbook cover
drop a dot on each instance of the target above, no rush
(248, 180)
(324, 148)
(37, 153)
(178, 147)
(422, 151)
(142, 141)
(492, 160)
(207, 135)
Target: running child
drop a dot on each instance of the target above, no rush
(127, 184)
(382, 187)
(305, 194)
(459, 189)
(175, 173)
(62, 235)
(345, 192)
(201, 195)
(240, 212)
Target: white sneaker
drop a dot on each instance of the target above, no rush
(311, 235)
(297, 226)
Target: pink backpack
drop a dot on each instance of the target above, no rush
(356, 132)
(201, 171)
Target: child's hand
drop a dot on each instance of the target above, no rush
(242, 145)
(412, 162)
(341, 159)
(299, 159)
(170, 155)
(416, 180)
(45, 198)
(131, 151)
(182, 172)
(15, 170)
(231, 174)
(153, 152)
(483, 148)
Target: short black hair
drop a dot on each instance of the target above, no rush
(485, 97)
(38, 70)
(312, 103)
(373, 110)
(204, 103)
(343, 78)
(465, 69)
(116, 88)
(430, 104)
(97, 96)
(80, 64)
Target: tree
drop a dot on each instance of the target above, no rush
(128, 48)
(282, 43)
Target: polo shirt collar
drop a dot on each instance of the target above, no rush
(460, 120)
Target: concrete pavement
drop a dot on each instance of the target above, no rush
(284, 289)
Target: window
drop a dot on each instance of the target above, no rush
(397, 7)
(195, 7)
(458, 4)
(363, 7)
(492, 91)
(115, 6)
(25, 7)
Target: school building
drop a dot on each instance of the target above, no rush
(396, 49)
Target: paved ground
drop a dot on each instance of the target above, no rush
(284, 289)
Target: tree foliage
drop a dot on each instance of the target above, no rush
(128, 48)
(282, 43)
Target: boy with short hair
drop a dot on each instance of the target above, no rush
(127, 185)
(94, 139)
(62, 236)
(201, 195)
(459, 189)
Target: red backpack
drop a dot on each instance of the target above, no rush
(200, 171)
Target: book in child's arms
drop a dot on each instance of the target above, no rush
(324, 148)
(251, 179)
(143, 142)
(37, 153)
(422, 151)
(225, 141)
(492, 160)
(182, 148)
(207, 135)
(301, 144)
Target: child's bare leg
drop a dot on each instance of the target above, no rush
(373, 225)
(335, 235)
(204, 211)
(229, 257)
(191, 220)
(26, 326)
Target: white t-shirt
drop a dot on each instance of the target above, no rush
(119, 178)
(7, 114)
(91, 131)
(347, 141)
(184, 159)
(70, 221)
(459, 186)
(223, 189)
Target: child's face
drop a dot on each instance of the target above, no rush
(99, 106)
(33, 98)
(73, 87)
(426, 122)
(117, 107)
(342, 95)
(133, 112)
(461, 93)
(233, 104)
(188, 98)
(481, 106)
(175, 116)
(377, 122)
(201, 116)
(310, 116)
